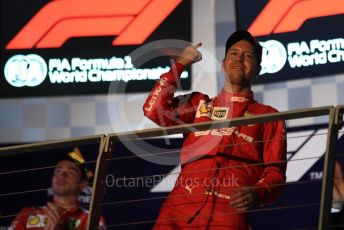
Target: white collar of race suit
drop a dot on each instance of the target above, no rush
(232, 97)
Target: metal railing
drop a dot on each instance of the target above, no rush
(36, 149)
(333, 121)
(335, 117)
(49, 145)
(108, 146)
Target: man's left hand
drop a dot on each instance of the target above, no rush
(243, 199)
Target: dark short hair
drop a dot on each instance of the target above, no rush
(76, 157)
(245, 35)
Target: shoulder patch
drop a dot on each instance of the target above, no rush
(204, 109)
(36, 221)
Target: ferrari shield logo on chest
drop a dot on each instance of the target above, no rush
(36, 221)
(204, 109)
(219, 113)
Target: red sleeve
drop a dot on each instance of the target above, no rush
(270, 186)
(19, 222)
(163, 108)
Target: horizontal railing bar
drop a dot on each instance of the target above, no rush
(185, 128)
(48, 145)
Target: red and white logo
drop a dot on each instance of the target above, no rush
(131, 21)
(289, 15)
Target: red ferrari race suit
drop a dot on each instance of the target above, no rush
(36, 219)
(216, 162)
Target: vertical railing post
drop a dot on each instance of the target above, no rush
(328, 173)
(339, 115)
(98, 188)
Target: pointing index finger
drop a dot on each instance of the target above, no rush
(195, 46)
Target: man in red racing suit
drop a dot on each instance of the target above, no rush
(70, 177)
(36, 218)
(227, 171)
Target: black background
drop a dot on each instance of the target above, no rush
(16, 13)
(323, 28)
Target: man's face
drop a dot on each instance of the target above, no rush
(67, 179)
(240, 64)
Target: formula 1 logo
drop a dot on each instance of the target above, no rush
(30, 70)
(132, 22)
(289, 15)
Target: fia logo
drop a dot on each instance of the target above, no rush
(274, 56)
(29, 70)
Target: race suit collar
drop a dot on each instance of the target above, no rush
(70, 210)
(227, 97)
